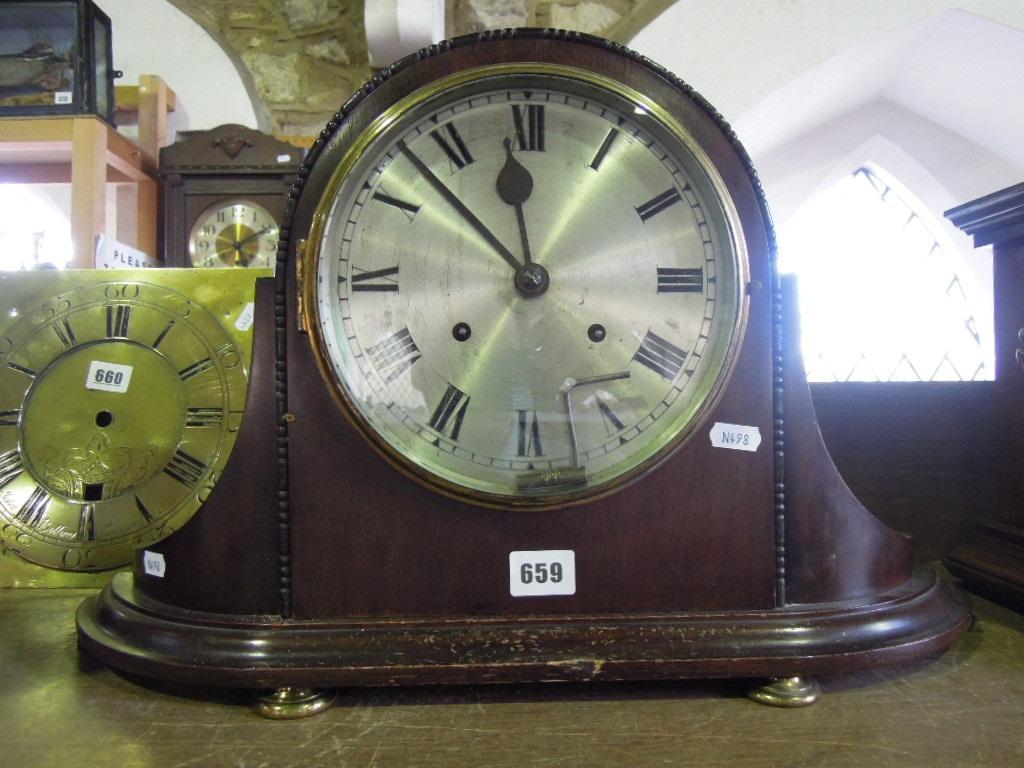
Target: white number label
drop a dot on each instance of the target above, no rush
(735, 436)
(108, 377)
(62, 97)
(154, 564)
(542, 572)
(245, 318)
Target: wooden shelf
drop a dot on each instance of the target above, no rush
(89, 154)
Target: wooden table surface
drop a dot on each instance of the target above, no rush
(58, 708)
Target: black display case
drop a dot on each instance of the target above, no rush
(55, 59)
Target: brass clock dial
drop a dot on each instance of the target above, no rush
(119, 403)
(236, 233)
(525, 286)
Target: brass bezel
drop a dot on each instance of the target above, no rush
(309, 306)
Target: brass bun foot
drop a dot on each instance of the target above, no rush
(293, 703)
(787, 692)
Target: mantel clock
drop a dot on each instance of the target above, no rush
(537, 412)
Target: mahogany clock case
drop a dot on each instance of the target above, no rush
(229, 163)
(648, 547)
(713, 563)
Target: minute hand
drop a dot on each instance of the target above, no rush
(459, 206)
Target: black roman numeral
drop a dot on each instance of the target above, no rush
(611, 422)
(117, 321)
(603, 150)
(195, 369)
(529, 127)
(10, 418)
(672, 280)
(658, 204)
(142, 509)
(450, 410)
(186, 469)
(204, 417)
(163, 334)
(529, 435)
(10, 466)
(65, 334)
(459, 153)
(370, 281)
(32, 511)
(401, 205)
(393, 355)
(662, 357)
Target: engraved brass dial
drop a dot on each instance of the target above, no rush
(119, 403)
(236, 233)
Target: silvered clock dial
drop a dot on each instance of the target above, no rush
(119, 403)
(236, 233)
(524, 284)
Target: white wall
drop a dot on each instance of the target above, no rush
(925, 89)
(735, 52)
(151, 37)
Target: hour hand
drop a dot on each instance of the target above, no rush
(515, 185)
(459, 206)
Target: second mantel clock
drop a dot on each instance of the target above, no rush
(537, 412)
(224, 196)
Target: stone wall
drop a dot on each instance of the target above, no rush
(305, 57)
(595, 16)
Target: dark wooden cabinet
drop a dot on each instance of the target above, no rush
(991, 559)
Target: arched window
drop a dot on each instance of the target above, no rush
(884, 296)
(34, 232)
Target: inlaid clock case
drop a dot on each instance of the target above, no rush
(332, 565)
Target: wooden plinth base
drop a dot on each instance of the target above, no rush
(991, 562)
(137, 635)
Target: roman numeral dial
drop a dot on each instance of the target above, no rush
(525, 292)
(119, 403)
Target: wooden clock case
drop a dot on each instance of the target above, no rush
(991, 559)
(315, 562)
(206, 168)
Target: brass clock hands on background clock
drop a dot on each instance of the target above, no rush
(255, 235)
(459, 206)
(240, 258)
